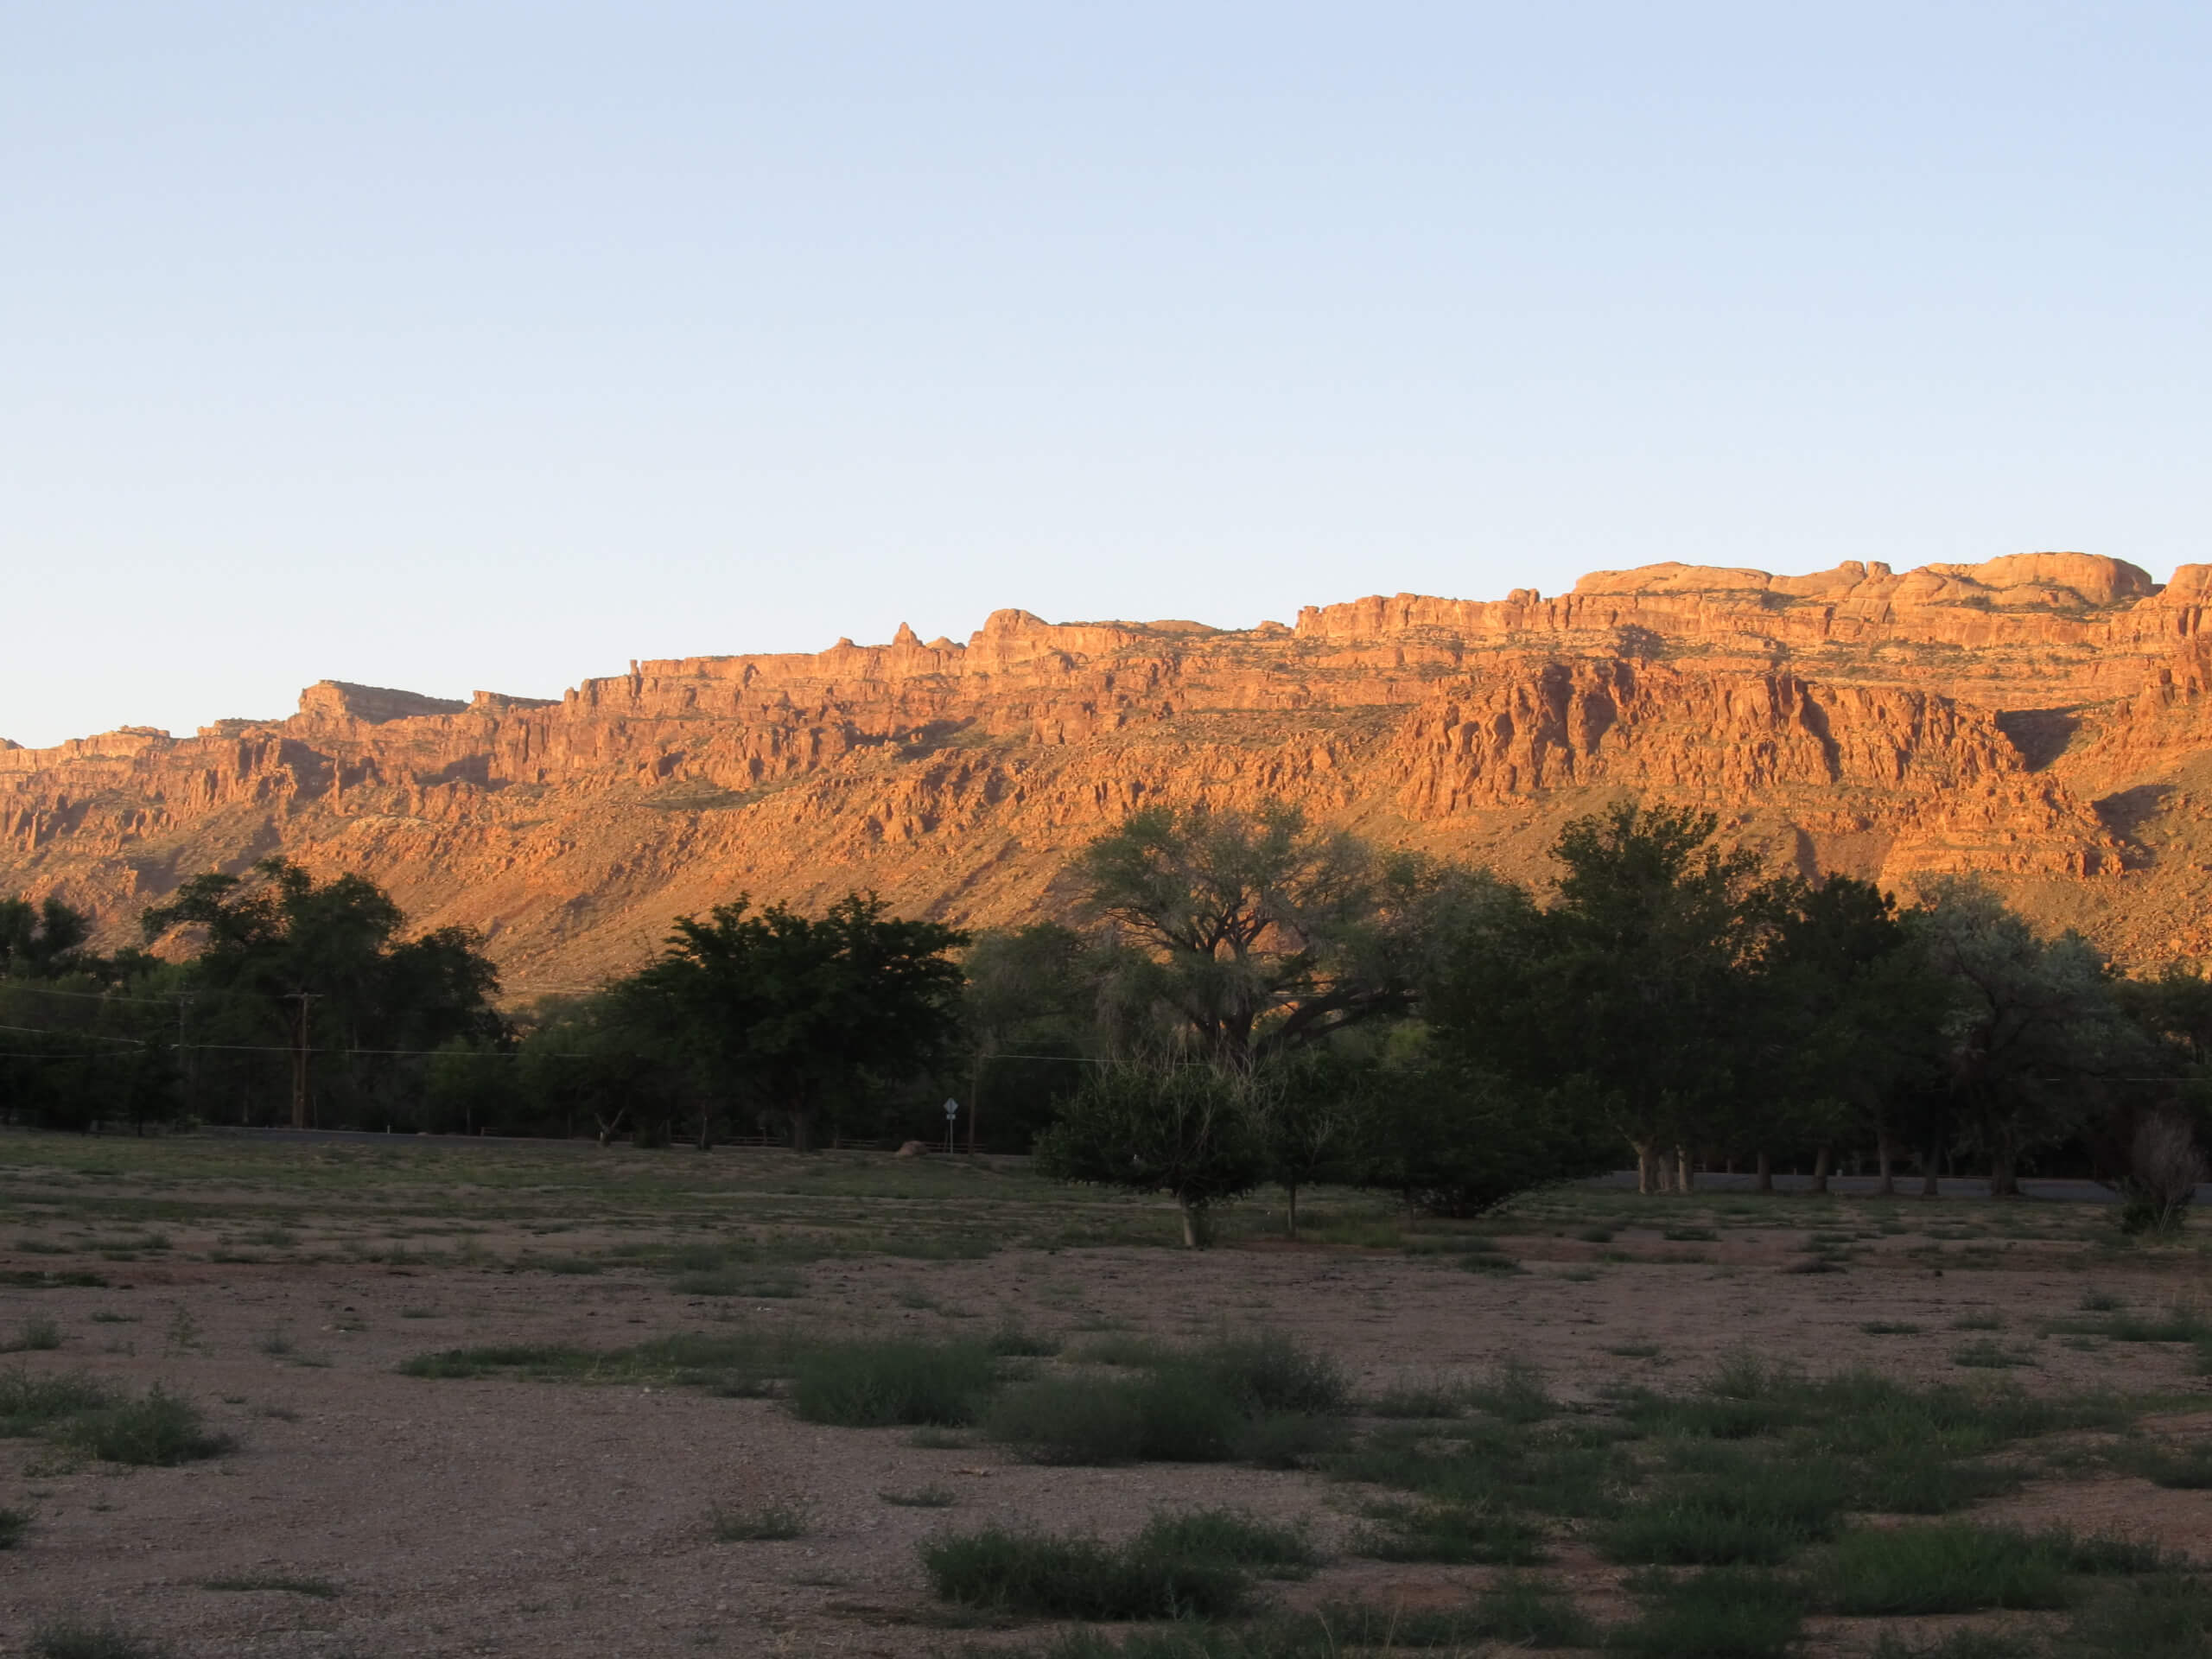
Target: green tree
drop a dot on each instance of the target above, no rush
(1632, 991)
(41, 941)
(2033, 1026)
(1263, 934)
(279, 960)
(1153, 1126)
(1851, 1015)
(1305, 1109)
(800, 1009)
(1036, 1006)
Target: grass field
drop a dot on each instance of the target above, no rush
(354, 1399)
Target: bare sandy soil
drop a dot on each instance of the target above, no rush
(496, 1516)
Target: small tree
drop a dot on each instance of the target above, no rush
(1155, 1127)
(1453, 1140)
(1305, 1109)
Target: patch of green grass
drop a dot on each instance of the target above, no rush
(1456, 1533)
(880, 1385)
(1041, 1576)
(71, 1637)
(321, 1589)
(1953, 1567)
(923, 1497)
(1236, 1536)
(1519, 1610)
(537, 1359)
(1514, 1392)
(158, 1429)
(1959, 1644)
(763, 1523)
(1014, 1341)
(1719, 1613)
(1261, 1399)
(2161, 1616)
(1990, 1356)
(2185, 1468)
(1412, 1397)
(1741, 1510)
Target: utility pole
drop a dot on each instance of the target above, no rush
(299, 1058)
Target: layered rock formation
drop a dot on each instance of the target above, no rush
(2041, 718)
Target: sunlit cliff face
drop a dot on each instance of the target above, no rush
(2040, 718)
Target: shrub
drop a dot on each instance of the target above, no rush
(1949, 1568)
(1076, 1577)
(2160, 1617)
(1515, 1391)
(1074, 1419)
(1516, 1608)
(2186, 1468)
(877, 1384)
(1458, 1533)
(1236, 1537)
(1270, 1372)
(162, 1428)
(78, 1638)
(765, 1523)
(1286, 1440)
(37, 1334)
(30, 1402)
(1751, 1513)
(923, 1497)
(1721, 1613)
(14, 1523)
(468, 1362)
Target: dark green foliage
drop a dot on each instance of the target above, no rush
(1236, 1536)
(1047, 1577)
(1737, 1509)
(1183, 1130)
(1719, 1613)
(1957, 1568)
(2160, 1617)
(14, 1523)
(1514, 1392)
(880, 1385)
(2186, 1468)
(534, 1357)
(796, 1009)
(1489, 1466)
(1457, 1533)
(80, 1638)
(1454, 1139)
(1262, 1398)
(1263, 935)
(260, 940)
(31, 1401)
(319, 1589)
(1960, 1644)
(159, 1428)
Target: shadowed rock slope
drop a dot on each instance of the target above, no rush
(2040, 718)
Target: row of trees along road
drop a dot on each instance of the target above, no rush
(1236, 998)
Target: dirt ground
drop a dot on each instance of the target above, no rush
(496, 1516)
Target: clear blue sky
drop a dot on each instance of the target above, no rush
(460, 344)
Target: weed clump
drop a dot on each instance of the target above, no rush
(766, 1524)
(1719, 1613)
(1047, 1577)
(880, 1384)
(1956, 1568)
(159, 1429)
(1261, 1399)
(79, 1638)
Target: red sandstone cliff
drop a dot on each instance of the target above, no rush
(2042, 718)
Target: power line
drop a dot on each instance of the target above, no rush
(81, 1036)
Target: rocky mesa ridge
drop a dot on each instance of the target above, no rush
(2040, 718)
